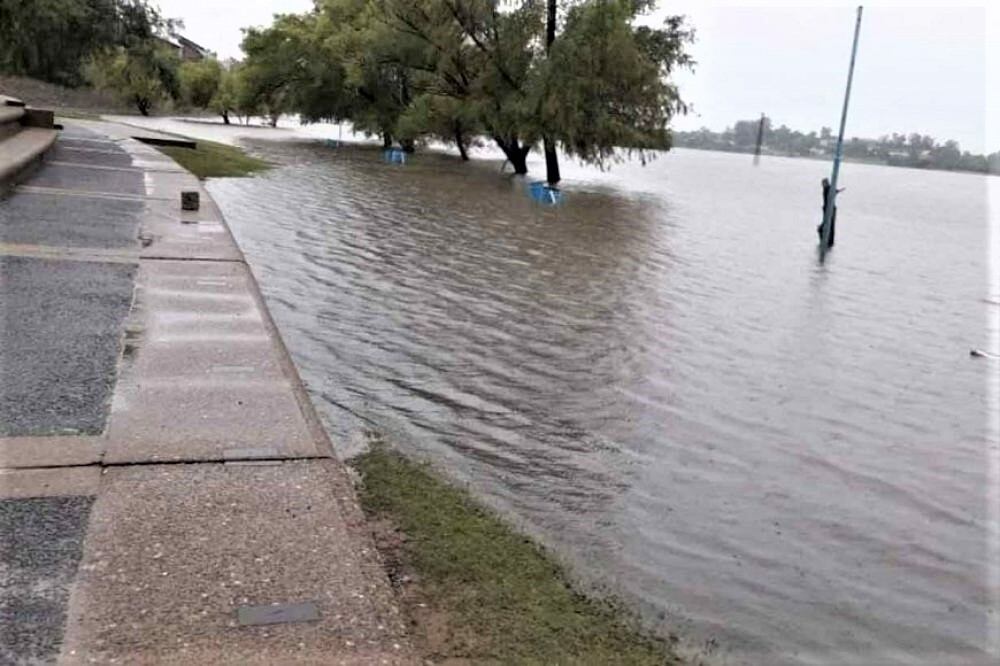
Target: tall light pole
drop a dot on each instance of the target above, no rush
(832, 198)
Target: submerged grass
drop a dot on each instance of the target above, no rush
(75, 114)
(215, 160)
(482, 592)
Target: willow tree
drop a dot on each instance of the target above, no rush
(470, 63)
(374, 88)
(606, 86)
(457, 69)
(444, 72)
(280, 63)
(599, 83)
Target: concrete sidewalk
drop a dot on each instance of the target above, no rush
(168, 494)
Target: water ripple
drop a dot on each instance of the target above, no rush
(660, 380)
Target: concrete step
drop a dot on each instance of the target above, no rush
(8, 129)
(21, 151)
(10, 120)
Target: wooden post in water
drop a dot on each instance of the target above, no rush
(831, 200)
(760, 141)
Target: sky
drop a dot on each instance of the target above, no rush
(920, 68)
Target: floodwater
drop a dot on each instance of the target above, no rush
(777, 459)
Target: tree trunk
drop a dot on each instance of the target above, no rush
(551, 157)
(386, 140)
(519, 160)
(516, 154)
(225, 117)
(408, 145)
(550, 25)
(551, 162)
(142, 104)
(274, 120)
(460, 142)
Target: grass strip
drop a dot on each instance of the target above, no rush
(215, 160)
(74, 114)
(478, 592)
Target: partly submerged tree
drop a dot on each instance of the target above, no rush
(607, 83)
(598, 84)
(443, 71)
(376, 83)
(476, 55)
(276, 57)
(458, 69)
(299, 63)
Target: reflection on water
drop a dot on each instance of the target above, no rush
(660, 379)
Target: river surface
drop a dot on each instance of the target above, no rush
(779, 460)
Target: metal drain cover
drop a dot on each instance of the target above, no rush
(305, 611)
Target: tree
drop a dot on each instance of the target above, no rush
(745, 132)
(552, 174)
(234, 97)
(199, 81)
(362, 60)
(53, 39)
(609, 81)
(144, 75)
(440, 117)
(276, 68)
(442, 72)
(598, 84)
(947, 156)
(455, 69)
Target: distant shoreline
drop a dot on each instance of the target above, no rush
(828, 158)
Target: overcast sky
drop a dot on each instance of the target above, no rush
(920, 68)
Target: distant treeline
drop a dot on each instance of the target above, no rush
(914, 150)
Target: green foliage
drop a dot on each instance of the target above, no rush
(199, 80)
(500, 598)
(606, 83)
(145, 74)
(231, 96)
(271, 69)
(52, 39)
(457, 69)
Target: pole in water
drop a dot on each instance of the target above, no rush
(760, 140)
(831, 200)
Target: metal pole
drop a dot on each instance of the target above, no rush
(832, 199)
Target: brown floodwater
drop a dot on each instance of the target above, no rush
(777, 459)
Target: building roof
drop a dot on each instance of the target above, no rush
(184, 41)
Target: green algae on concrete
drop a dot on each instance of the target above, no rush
(215, 160)
(477, 591)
